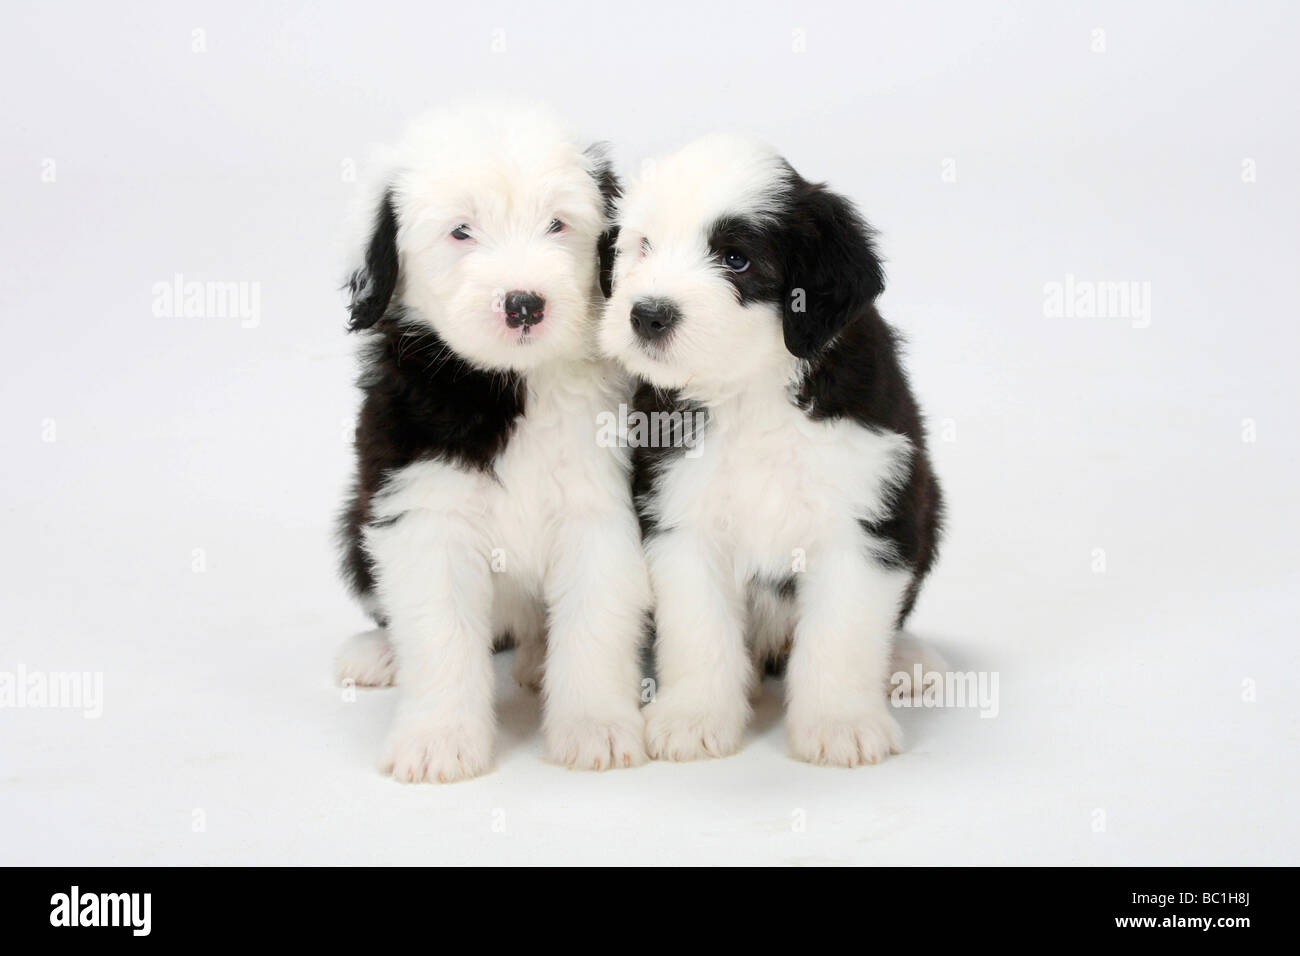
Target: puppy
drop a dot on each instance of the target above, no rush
(484, 507)
(806, 515)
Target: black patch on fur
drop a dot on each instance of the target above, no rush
(854, 366)
(606, 249)
(758, 242)
(647, 460)
(602, 170)
(373, 284)
(776, 666)
(649, 667)
(860, 377)
(422, 402)
(610, 190)
(832, 272)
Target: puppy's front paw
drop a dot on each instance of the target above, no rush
(591, 744)
(419, 753)
(677, 732)
(367, 660)
(845, 741)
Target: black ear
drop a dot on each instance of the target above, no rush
(832, 271)
(602, 170)
(372, 285)
(605, 251)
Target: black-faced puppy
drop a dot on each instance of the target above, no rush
(483, 504)
(806, 515)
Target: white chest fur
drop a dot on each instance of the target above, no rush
(553, 469)
(767, 483)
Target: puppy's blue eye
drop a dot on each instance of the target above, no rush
(461, 231)
(555, 226)
(734, 261)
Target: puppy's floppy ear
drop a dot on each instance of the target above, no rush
(602, 170)
(372, 285)
(832, 271)
(605, 251)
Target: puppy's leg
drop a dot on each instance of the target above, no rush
(770, 628)
(436, 586)
(598, 593)
(837, 711)
(705, 672)
(521, 614)
(367, 660)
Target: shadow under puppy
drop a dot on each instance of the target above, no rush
(483, 505)
(804, 514)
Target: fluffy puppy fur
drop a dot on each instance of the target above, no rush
(806, 515)
(484, 507)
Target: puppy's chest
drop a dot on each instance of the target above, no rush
(768, 479)
(552, 466)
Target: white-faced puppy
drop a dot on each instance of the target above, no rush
(807, 511)
(484, 506)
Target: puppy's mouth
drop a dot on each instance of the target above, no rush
(525, 335)
(653, 361)
(658, 351)
(651, 352)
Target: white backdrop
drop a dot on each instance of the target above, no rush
(1122, 550)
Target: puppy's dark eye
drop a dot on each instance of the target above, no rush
(555, 226)
(645, 247)
(461, 232)
(734, 260)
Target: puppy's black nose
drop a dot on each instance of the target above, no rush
(524, 308)
(653, 318)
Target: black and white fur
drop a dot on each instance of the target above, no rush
(483, 505)
(807, 516)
